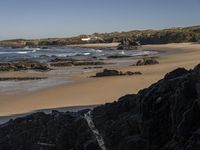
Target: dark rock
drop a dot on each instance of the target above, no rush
(58, 59)
(91, 145)
(24, 65)
(176, 73)
(118, 56)
(164, 116)
(88, 63)
(44, 47)
(60, 62)
(44, 56)
(95, 67)
(197, 68)
(21, 78)
(147, 61)
(128, 44)
(107, 72)
(56, 131)
(132, 73)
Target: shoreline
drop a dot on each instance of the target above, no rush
(90, 91)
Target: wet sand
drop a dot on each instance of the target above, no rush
(91, 91)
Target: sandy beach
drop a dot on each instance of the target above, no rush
(91, 91)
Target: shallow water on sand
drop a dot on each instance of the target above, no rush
(15, 87)
(45, 55)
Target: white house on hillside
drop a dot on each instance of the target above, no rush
(91, 39)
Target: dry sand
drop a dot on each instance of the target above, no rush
(97, 45)
(87, 91)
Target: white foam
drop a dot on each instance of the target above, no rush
(20, 52)
(122, 52)
(99, 51)
(86, 54)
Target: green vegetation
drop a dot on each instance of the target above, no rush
(172, 35)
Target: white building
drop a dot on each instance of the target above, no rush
(91, 39)
(86, 39)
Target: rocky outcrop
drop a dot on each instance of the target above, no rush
(21, 78)
(128, 44)
(62, 62)
(147, 61)
(164, 116)
(56, 131)
(107, 72)
(118, 56)
(95, 67)
(24, 65)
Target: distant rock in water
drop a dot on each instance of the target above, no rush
(60, 62)
(147, 61)
(107, 72)
(118, 56)
(164, 116)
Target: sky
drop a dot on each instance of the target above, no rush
(65, 18)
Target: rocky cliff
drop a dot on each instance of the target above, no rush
(165, 116)
(56, 131)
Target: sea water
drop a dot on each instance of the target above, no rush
(46, 55)
(10, 54)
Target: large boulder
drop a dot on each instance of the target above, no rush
(56, 131)
(128, 44)
(164, 116)
(107, 72)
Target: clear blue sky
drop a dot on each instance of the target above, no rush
(64, 18)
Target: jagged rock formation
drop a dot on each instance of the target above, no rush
(165, 116)
(56, 131)
(128, 44)
(24, 65)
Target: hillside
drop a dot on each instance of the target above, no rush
(171, 35)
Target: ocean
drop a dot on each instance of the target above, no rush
(55, 77)
(10, 54)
